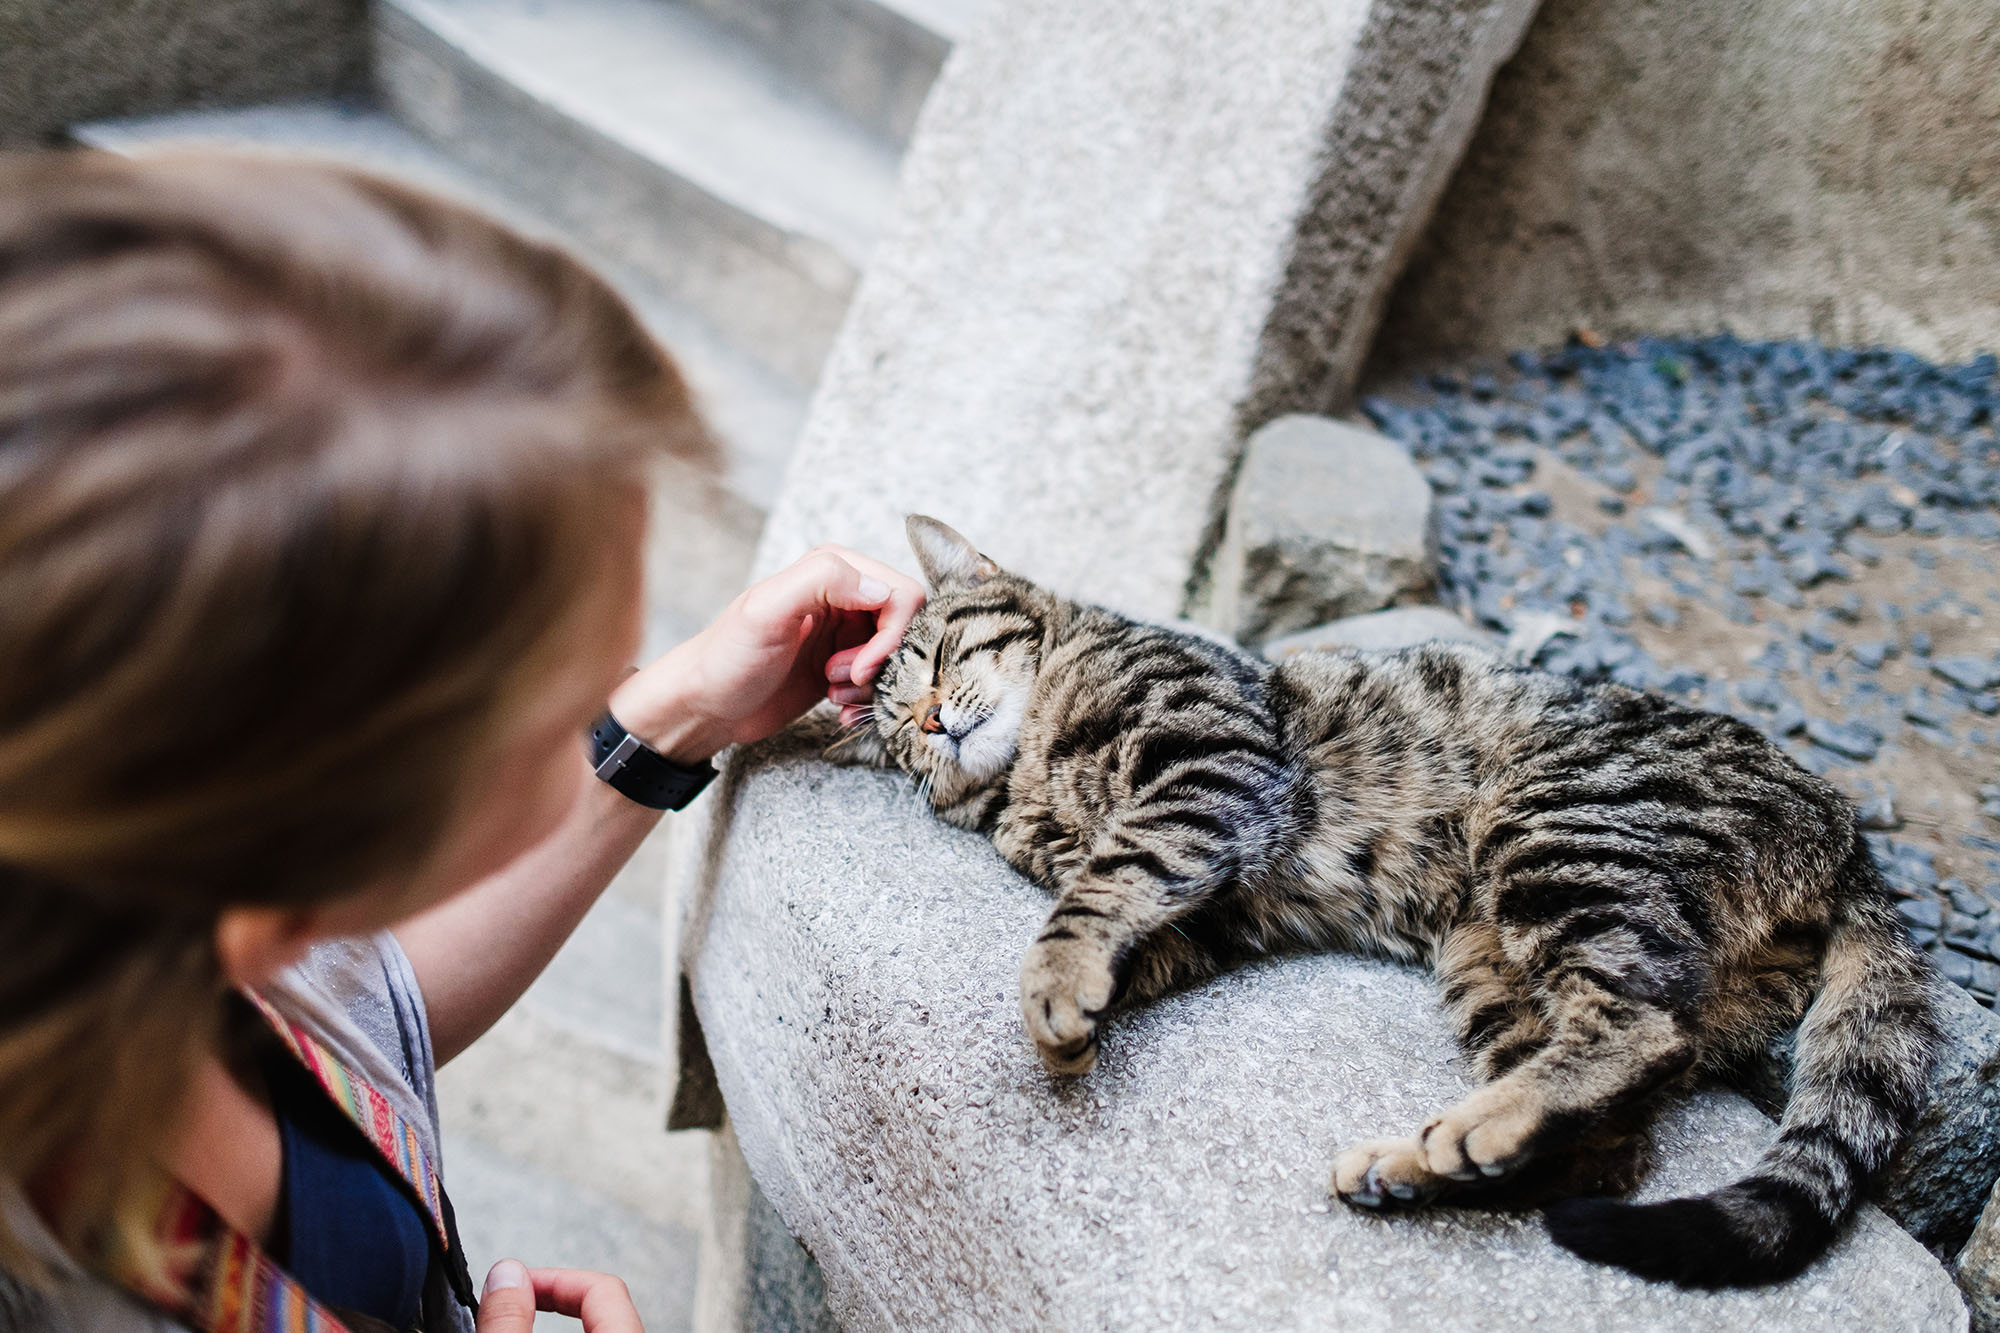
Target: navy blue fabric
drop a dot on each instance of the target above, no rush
(346, 1230)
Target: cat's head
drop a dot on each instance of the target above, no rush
(950, 701)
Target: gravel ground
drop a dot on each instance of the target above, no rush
(1804, 537)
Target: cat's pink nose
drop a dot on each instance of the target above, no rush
(934, 720)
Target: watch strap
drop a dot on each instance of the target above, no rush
(637, 771)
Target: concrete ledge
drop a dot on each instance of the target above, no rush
(1125, 236)
(856, 966)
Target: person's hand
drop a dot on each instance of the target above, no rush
(514, 1292)
(821, 628)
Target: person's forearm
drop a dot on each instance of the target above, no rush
(818, 629)
(475, 954)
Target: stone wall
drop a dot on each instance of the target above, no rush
(64, 61)
(1783, 167)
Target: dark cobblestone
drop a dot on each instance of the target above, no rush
(1851, 740)
(1971, 674)
(1922, 912)
(1955, 966)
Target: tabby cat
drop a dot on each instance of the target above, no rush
(1617, 893)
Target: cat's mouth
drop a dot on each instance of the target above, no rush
(952, 740)
(981, 746)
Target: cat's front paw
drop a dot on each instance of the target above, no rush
(1066, 984)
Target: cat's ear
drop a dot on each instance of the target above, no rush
(860, 746)
(945, 557)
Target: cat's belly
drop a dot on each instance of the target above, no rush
(1383, 894)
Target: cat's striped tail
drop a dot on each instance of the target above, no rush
(1864, 1053)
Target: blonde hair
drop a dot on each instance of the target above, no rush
(302, 473)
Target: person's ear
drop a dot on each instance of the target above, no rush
(254, 944)
(945, 556)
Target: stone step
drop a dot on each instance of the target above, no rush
(873, 60)
(755, 412)
(661, 139)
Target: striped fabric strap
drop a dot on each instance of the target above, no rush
(216, 1279)
(391, 1135)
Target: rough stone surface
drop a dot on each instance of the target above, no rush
(1773, 166)
(753, 1276)
(1379, 631)
(1938, 1186)
(1118, 244)
(1326, 520)
(856, 966)
(553, 1150)
(1939, 1183)
(62, 61)
(1978, 1268)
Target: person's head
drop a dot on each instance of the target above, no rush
(320, 520)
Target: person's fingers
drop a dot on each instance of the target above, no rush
(847, 580)
(507, 1303)
(811, 586)
(890, 624)
(850, 694)
(599, 1300)
(840, 666)
(869, 565)
(892, 617)
(852, 595)
(851, 714)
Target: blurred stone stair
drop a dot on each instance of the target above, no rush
(725, 164)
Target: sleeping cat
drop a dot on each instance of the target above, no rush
(1617, 893)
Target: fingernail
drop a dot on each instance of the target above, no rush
(873, 590)
(839, 673)
(503, 1275)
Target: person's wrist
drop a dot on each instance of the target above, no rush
(661, 705)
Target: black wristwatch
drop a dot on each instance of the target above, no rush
(639, 772)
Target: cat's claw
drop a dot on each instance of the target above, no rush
(1384, 1174)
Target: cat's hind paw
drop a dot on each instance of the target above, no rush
(1384, 1174)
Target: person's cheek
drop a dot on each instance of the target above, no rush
(514, 814)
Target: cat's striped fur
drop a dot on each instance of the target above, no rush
(1617, 893)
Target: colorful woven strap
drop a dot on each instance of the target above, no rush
(392, 1136)
(216, 1279)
